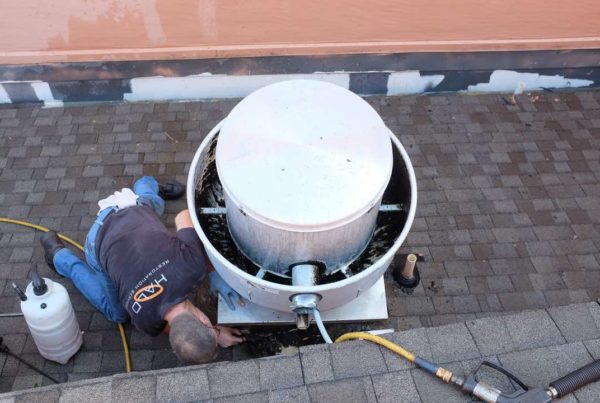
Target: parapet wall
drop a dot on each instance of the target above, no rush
(94, 50)
(37, 32)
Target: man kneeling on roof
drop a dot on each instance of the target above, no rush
(137, 269)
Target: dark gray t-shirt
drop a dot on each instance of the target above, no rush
(152, 268)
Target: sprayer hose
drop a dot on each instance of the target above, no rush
(577, 379)
(78, 246)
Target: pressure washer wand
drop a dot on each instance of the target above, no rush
(474, 387)
(557, 389)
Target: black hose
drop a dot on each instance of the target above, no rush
(502, 371)
(577, 379)
(4, 349)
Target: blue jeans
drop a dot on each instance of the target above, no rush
(90, 278)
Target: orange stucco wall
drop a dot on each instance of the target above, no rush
(34, 31)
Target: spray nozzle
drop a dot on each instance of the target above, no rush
(39, 285)
(19, 292)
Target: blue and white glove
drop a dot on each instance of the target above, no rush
(219, 286)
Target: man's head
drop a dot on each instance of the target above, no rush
(192, 336)
(192, 341)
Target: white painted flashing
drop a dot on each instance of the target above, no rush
(513, 81)
(4, 98)
(43, 92)
(208, 86)
(40, 88)
(411, 82)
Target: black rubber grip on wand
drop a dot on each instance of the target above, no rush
(577, 379)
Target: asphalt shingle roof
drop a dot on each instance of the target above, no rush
(508, 217)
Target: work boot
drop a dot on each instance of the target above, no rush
(52, 244)
(170, 189)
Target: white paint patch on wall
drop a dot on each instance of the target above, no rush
(411, 82)
(509, 81)
(206, 86)
(4, 98)
(43, 92)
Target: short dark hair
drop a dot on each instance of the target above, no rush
(192, 341)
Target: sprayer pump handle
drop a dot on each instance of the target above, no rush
(39, 285)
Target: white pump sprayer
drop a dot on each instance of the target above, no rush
(51, 319)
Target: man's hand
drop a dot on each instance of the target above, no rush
(228, 336)
(219, 286)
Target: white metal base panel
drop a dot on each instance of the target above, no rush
(371, 305)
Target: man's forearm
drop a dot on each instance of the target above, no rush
(183, 220)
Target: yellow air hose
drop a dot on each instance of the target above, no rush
(78, 246)
(407, 355)
(420, 362)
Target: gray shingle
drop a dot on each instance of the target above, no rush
(112, 361)
(316, 363)
(342, 391)
(414, 340)
(234, 378)
(545, 264)
(499, 284)
(580, 279)
(546, 281)
(29, 381)
(575, 322)
(532, 329)
(455, 286)
(14, 342)
(451, 343)
(594, 308)
(511, 266)
(543, 365)
(491, 335)
(164, 359)
(593, 347)
(280, 372)
(432, 390)
(514, 234)
(516, 301)
(411, 305)
(395, 387)
(262, 397)
(517, 204)
(21, 254)
(183, 386)
(141, 360)
(38, 396)
(125, 386)
(87, 361)
(90, 393)
(369, 390)
(345, 356)
(589, 393)
(295, 395)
